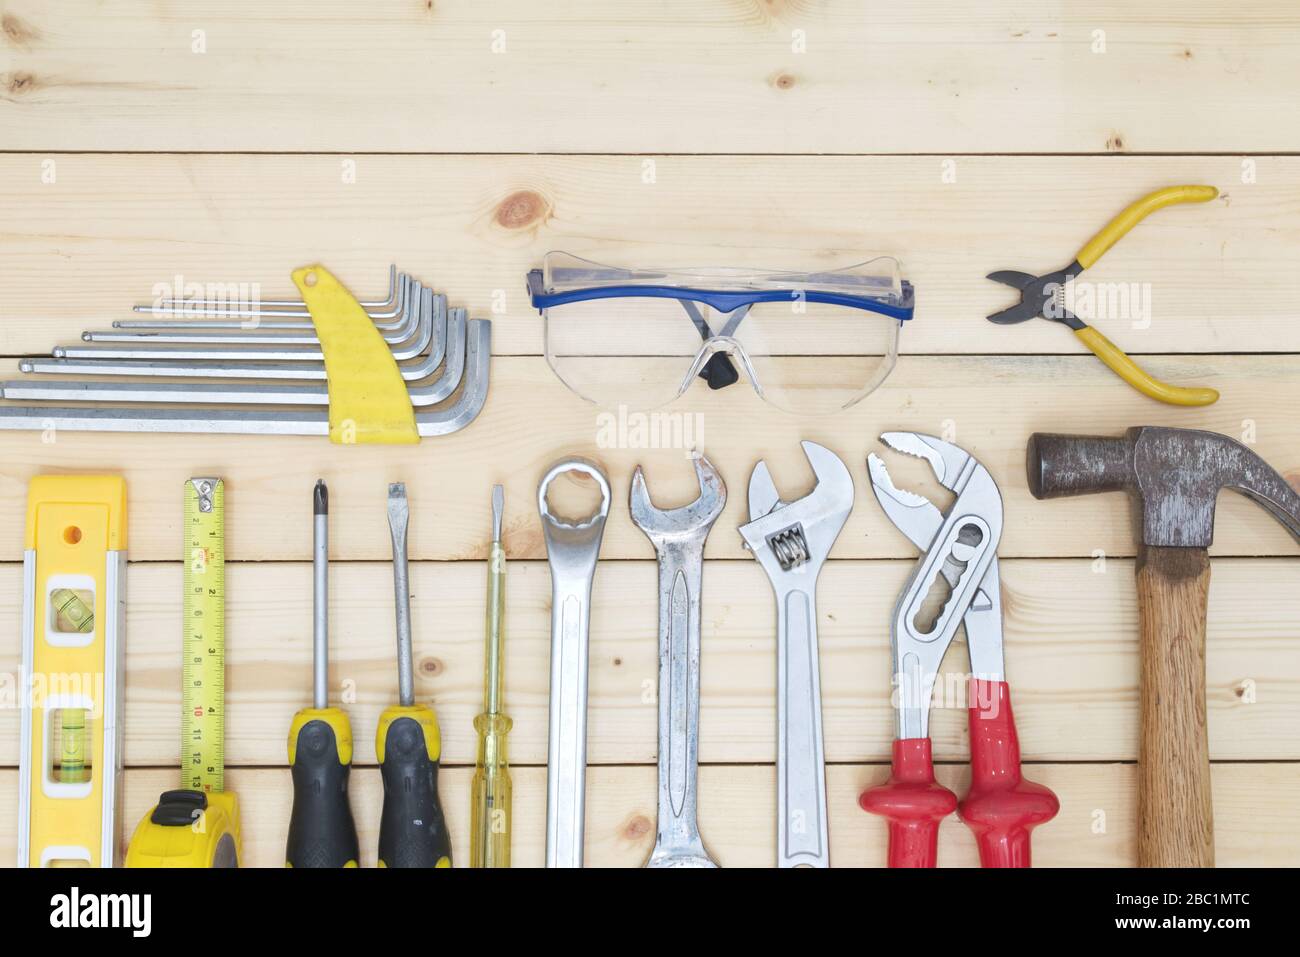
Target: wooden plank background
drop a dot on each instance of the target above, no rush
(143, 142)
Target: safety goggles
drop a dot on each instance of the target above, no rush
(809, 342)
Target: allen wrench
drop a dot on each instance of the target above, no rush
(252, 333)
(284, 308)
(421, 393)
(407, 349)
(433, 303)
(205, 420)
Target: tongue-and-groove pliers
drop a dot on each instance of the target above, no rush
(960, 546)
(1045, 296)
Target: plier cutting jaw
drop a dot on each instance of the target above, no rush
(1044, 296)
(960, 546)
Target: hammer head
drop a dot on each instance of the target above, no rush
(1174, 476)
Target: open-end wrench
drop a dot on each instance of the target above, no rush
(571, 549)
(678, 535)
(791, 542)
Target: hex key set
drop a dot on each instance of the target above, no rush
(268, 361)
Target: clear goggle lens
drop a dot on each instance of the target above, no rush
(642, 352)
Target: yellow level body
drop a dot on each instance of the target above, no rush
(74, 616)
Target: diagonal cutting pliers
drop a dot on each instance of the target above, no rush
(1045, 296)
(959, 546)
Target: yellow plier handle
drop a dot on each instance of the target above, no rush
(1134, 375)
(1134, 213)
(1103, 348)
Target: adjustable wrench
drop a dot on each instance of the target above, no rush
(678, 536)
(571, 549)
(791, 541)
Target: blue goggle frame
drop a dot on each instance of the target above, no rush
(724, 301)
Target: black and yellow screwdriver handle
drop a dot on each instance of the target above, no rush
(412, 829)
(1137, 211)
(321, 830)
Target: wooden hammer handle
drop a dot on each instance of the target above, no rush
(1175, 814)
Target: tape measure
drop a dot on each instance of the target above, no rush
(198, 825)
(203, 672)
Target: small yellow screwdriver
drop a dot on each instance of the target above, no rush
(490, 811)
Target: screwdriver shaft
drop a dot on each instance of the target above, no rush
(320, 601)
(496, 581)
(398, 518)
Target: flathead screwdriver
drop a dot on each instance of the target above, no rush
(412, 830)
(321, 829)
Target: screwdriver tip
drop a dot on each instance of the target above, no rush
(397, 490)
(498, 506)
(321, 498)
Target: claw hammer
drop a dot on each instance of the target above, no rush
(1174, 477)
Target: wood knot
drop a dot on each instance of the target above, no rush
(1115, 143)
(431, 667)
(521, 209)
(637, 827)
(18, 33)
(783, 81)
(19, 83)
(1185, 55)
(617, 662)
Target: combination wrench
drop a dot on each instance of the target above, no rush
(571, 550)
(678, 536)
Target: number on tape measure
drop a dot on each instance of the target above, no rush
(203, 674)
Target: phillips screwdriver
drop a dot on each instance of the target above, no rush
(490, 801)
(412, 831)
(321, 830)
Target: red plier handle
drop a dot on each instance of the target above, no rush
(1001, 808)
(913, 802)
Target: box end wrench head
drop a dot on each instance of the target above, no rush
(678, 535)
(572, 549)
(791, 541)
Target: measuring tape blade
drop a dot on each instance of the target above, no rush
(203, 672)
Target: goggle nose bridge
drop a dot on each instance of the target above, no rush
(713, 361)
(712, 364)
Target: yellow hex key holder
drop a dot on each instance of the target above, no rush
(1045, 296)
